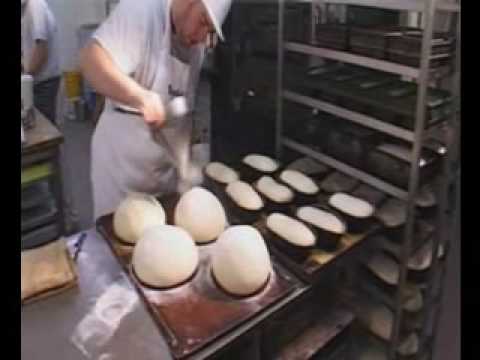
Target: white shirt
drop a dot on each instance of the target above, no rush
(38, 23)
(137, 36)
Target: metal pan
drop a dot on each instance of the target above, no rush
(193, 315)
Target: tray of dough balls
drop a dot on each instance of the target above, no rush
(199, 276)
(309, 215)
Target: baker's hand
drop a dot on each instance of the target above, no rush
(152, 109)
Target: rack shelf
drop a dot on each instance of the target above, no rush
(423, 76)
(347, 57)
(347, 169)
(352, 116)
(403, 5)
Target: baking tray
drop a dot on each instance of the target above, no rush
(349, 143)
(320, 262)
(394, 168)
(392, 101)
(372, 41)
(197, 313)
(333, 36)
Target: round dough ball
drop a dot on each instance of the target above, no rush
(137, 213)
(221, 173)
(300, 182)
(165, 256)
(244, 195)
(201, 214)
(291, 230)
(240, 261)
(261, 163)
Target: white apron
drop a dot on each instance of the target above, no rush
(125, 157)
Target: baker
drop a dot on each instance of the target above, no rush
(40, 54)
(143, 55)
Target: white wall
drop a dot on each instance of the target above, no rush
(70, 14)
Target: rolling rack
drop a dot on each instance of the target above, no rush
(446, 216)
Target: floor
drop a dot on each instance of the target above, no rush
(77, 184)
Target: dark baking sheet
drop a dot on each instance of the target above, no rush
(194, 314)
(319, 262)
(374, 101)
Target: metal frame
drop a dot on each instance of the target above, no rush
(426, 10)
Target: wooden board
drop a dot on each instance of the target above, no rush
(196, 313)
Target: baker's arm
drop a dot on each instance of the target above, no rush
(38, 59)
(107, 79)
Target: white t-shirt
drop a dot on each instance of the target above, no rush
(38, 23)
(138, 38)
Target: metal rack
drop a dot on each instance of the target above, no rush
(422, 76)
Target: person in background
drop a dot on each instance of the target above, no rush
(40, 54)
(144, 54)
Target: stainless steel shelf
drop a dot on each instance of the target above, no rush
(347, 57)
(406, 5)
(355, 117)
(347, 169)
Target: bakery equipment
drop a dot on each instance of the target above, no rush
(392, 163)
(195, 314)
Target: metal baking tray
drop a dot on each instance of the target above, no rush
(35, 194)
(349, 143)
(333, 36)
(372, 41)
(195, 314)
(376, 94)
(406, 49)
(38, 216)
(319, 264)
(395, 168)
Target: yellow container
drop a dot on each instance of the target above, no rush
(73, 84)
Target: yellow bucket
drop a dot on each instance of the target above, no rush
(73, 84)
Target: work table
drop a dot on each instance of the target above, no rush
(43, 135)
(49, 326)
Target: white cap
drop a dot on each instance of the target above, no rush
(217, 11)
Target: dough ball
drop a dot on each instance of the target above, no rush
(351, 205)
(274, 191)
(291, 230)
(241, 262)
(261, 163)
(221, 173)
(244, 195)
(300, 182)
(165, 256)
(137, 213)
(201, 214)
(321, 219)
